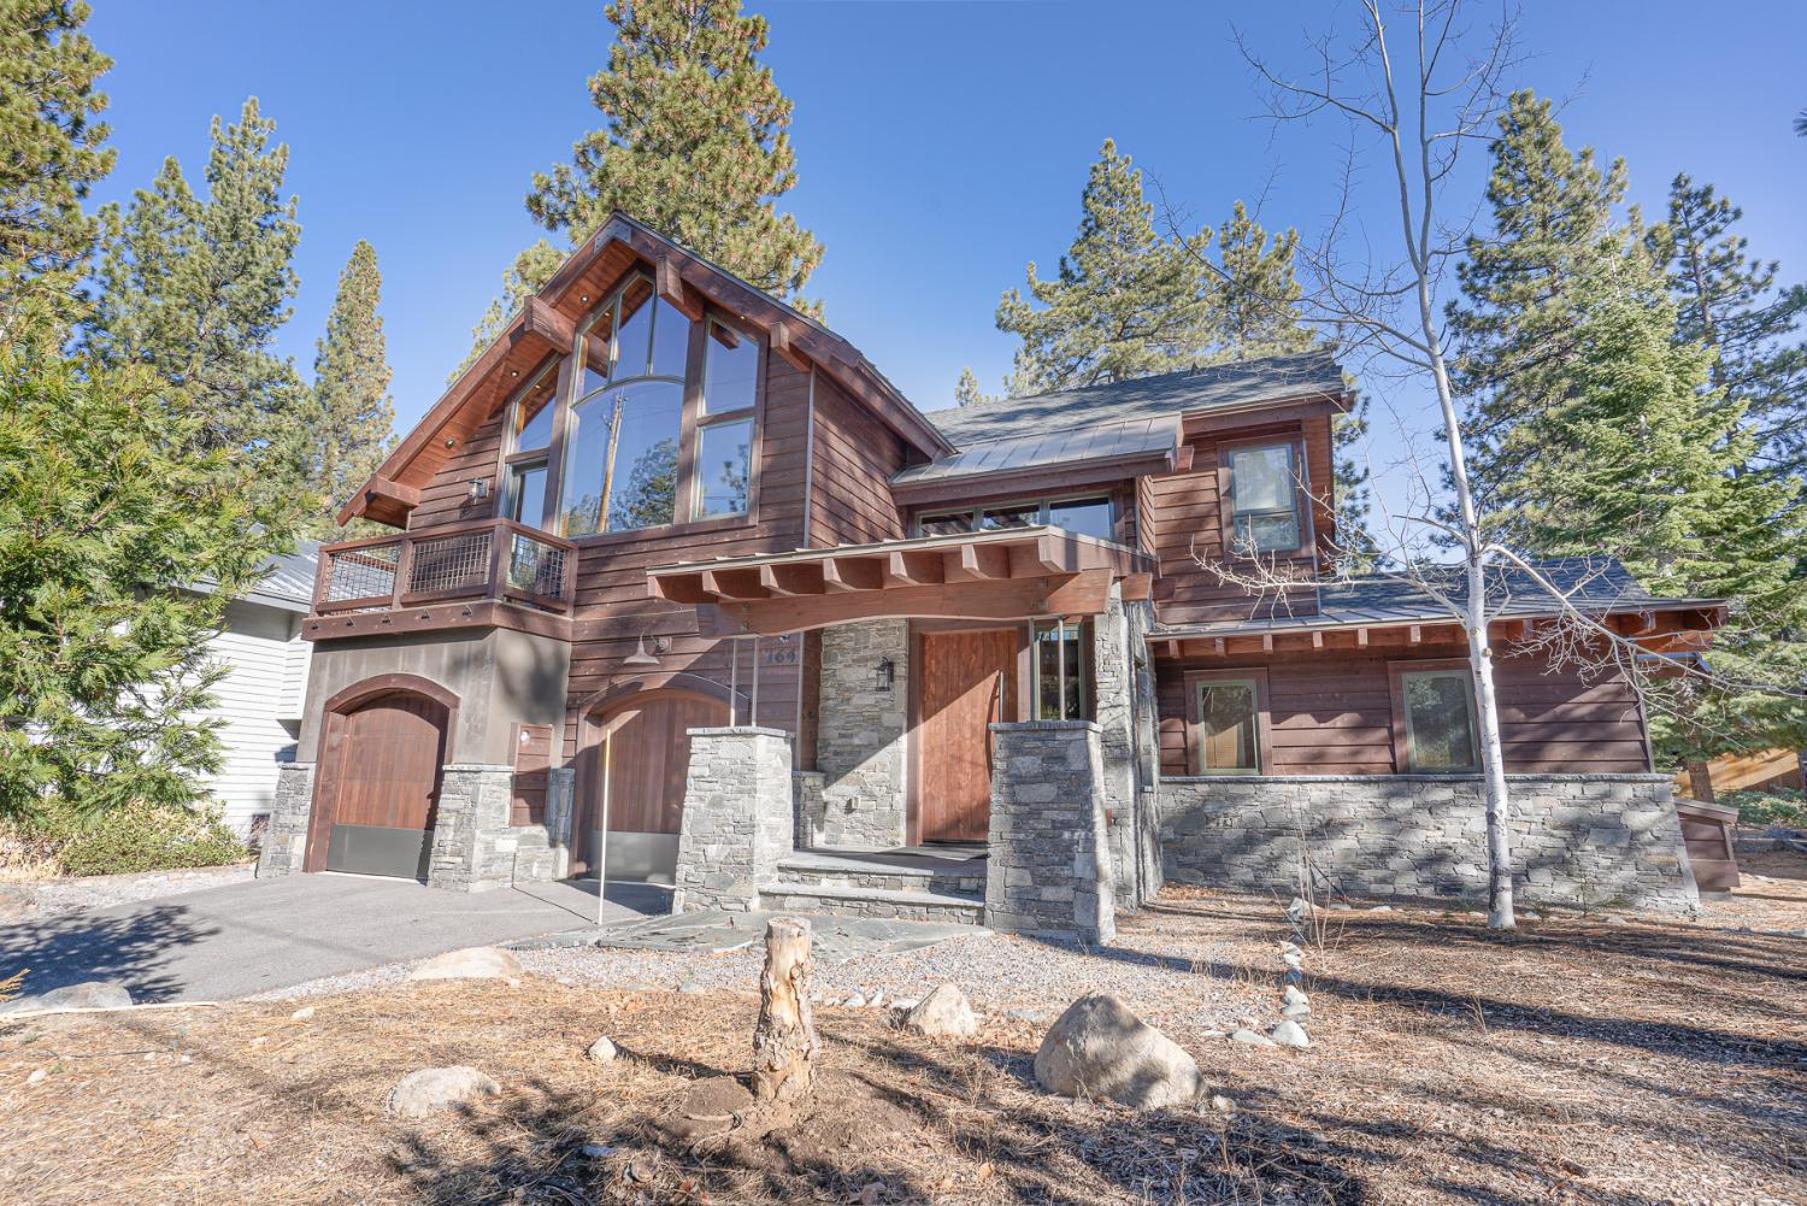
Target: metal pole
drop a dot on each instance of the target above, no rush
(733, 681)
(602, 843)
(753, 707)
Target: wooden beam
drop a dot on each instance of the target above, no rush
(1138, 588)
(734, 584)
(1218, 647)
(1085, 593)
(1317, 638)
(673, 289)
(853, 573)
(1267, 642)
(1361, 638)
(914, 569)
(780, 335)
(681, 588)
(1416, 635)
(804, 579)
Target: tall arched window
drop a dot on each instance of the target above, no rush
(624, 435)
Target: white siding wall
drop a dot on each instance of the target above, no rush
(261, 691)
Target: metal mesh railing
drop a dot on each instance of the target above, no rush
(535, 567)
(459, 562)
(367, 572)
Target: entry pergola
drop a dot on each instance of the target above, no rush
(1009, 574)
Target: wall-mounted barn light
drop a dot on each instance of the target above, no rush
(478, 490)
(640, 659)
(885, 674)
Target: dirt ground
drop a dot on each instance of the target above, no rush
(1582, 1059)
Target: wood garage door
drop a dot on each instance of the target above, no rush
(383, 760)
(965, 683)
(644, 760)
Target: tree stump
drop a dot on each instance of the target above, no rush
(784, 1040)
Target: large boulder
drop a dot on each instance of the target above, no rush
(471, 963)
(944, 1013)
(1098, 1048)
(93, 994)
(429, 1090)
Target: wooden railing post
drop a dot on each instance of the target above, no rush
(404, 568)
(499, 539)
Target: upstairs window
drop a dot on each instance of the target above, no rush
(626, 423)
(724, 438)
(529, 423)
(1082, 516)
(1264, 492)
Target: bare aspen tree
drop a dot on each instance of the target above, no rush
(1420, 96)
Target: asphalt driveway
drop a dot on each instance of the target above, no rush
(259, 935)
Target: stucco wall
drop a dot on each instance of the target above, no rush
(1576, 839)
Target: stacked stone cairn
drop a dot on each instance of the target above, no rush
(1295, 1006)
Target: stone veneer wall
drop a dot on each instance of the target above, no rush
(737, 824)
(1576, 839)
(474, 846)
(285, 842)
(811, 808)
(860, 736)
(1049, 870)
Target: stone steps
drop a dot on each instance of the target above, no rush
(844, 900)
(956, 879)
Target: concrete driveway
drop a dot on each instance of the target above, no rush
(252, 937)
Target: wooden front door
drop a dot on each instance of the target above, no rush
(379, 801)
(643, 762)
(964, 684)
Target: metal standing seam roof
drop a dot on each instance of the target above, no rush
(1270, 378)
(287, 582)
(1039, 449)
(1598, 584)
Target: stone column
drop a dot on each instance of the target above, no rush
(1049, 872)
(472, 815)
(860, 736)
(285, 843)
(738, 818)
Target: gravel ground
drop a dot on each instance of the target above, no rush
(55, 896)
(1155, 966)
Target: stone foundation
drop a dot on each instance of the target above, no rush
(737, 824)
(1576, 839)
(1050, 867)
(285, 842)
(860, 736)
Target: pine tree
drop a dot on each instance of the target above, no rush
(1729, 301)
(107, 521)
(53, 154)
(525, 277)
(197, 290)
(352, 429)
(1125, 303)
(1554, 234)
(1256, 295)
(695, 143)
(967, 391)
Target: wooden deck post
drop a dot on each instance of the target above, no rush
(784, 1039)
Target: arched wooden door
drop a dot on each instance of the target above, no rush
(376, 803)
(639, 766)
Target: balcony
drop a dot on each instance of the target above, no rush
(492, 573)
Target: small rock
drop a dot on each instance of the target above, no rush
(1290, 948)
(92, 994)
(427, 1090)
(1292, 996)
(944, 1013)
(1098, 1048)
(904, 1004)
(599, 1151)
(1342, 906)
(1214, 1034)
(1290, 1034)
(1295, 1012)
(37, 1075)
(856, 1001)
(303, 1014)
(1293, 961)
(260, 1040)
(1036, 1017)
(1299, 909)
(1528, 915)
(602, 1051)
(691, 988)
(876, 999)
(1222, 1104)
(472, 963)
(1253, 1038)
(1381, 909)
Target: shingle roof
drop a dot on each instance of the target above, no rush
(1041, 449)
(1598, 584)
(1271, 378)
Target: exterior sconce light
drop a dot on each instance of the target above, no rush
(478, 490)
(885, 674)
(640, 659)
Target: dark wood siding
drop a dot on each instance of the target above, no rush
(855, 456)
(1331, 713)
(446, 497)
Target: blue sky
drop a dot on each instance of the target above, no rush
(940, 145)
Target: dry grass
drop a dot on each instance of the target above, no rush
(1579, 1060)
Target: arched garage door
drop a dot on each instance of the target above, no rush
(640, 765)
(375, 807)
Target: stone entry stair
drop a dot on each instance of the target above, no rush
(908, 885)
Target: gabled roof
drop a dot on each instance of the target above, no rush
(1218, 387)
(1104, 451)
(1595, 585)
(546, 325)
